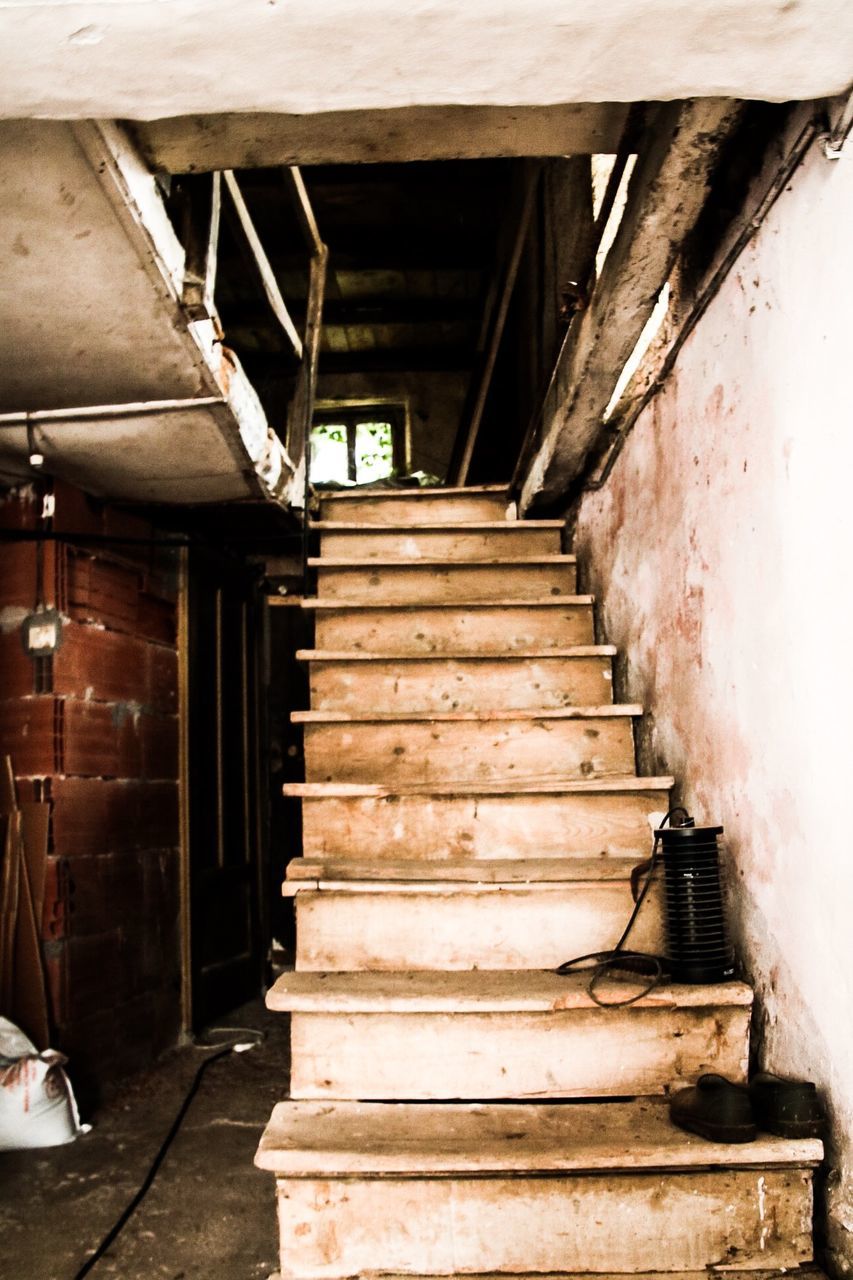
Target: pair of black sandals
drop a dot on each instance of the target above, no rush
(721, 1111)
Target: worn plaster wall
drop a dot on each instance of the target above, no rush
(719, 551)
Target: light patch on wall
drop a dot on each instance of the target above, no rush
(632, 364)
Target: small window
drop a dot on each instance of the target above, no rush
(357, 445)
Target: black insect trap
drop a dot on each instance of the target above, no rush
(697, 936)
(698, 946)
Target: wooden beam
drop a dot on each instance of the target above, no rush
(302, 405)
(262, 262)
(201, 240)
(668, 188)
(265, 139)
(304, 212)
(511, 273)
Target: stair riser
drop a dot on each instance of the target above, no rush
(517, 539)
(607, 1224)
(443, 630)
(413, 584)
(513, 826)
(572, 1053)
(417, 510)
(505, 929)
(448, 685)
(468, 750)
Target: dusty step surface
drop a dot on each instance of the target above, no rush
(491, 1034)
(523, 680)
(488, 502)
(306, 1139)
(514, 916)
(492, 626)
(712, 1273)
(461, 1189)
(468, 746)
(600, 818)
(447, 540)
(436, 581)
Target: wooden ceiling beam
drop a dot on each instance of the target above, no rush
(667, 191)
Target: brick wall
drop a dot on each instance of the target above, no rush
(93, 730)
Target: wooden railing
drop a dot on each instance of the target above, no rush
(202, 213)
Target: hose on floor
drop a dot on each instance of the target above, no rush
(249, 1037)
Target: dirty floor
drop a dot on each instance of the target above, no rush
(209, 1215)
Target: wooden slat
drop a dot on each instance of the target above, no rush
(595, 1224)
(375, 926)
(262, 262)
(552, 745)
(361, 874)
(418, 505)
(488, 626)
(564, 1053)
(548, 680)
(479, 992)
(438, 541)
(306, 1139)
(426, 581)
(343, 822)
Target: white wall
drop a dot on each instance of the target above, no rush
(720, 552)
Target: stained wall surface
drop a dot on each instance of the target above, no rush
(94, 732)
(719, 552)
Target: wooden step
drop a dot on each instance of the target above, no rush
(388, 916)
(444, 540)
(437, 581)
(712, 1273)
(422, 506)
(503, 1034)
(468, 1189)
(552, 678)
(464, 746)
(601, 818)
(495, 626)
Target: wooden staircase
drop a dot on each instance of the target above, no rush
(471, 817)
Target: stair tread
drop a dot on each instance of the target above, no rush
(327, 1139)
(421, 491)
(438, 526)
(431, 562)
(513, 655)
(494, 873)
(616, 709)
(536, 602)
(479, 991)
(349, 790)
(712, 1273)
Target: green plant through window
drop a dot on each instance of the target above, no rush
(354, 449)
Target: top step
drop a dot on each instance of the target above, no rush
(418, 506)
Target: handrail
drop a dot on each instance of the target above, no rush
(262, 262)
(497, 327)
(627, 145)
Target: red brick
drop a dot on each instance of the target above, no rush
(100, 591)
(107, 666)
(94, 815)
(17, 672)
(30, 732)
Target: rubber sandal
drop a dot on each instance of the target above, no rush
(715, 1109)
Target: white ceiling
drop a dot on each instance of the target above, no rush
(144, 59)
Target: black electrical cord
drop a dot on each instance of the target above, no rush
(642, 963)
(127, 1213)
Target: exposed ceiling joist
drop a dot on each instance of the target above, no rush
(668, 188)
(191, 144)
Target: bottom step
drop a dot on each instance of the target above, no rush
(470, 1189)
(712, 1273)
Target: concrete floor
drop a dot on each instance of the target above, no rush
(209, 1215)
